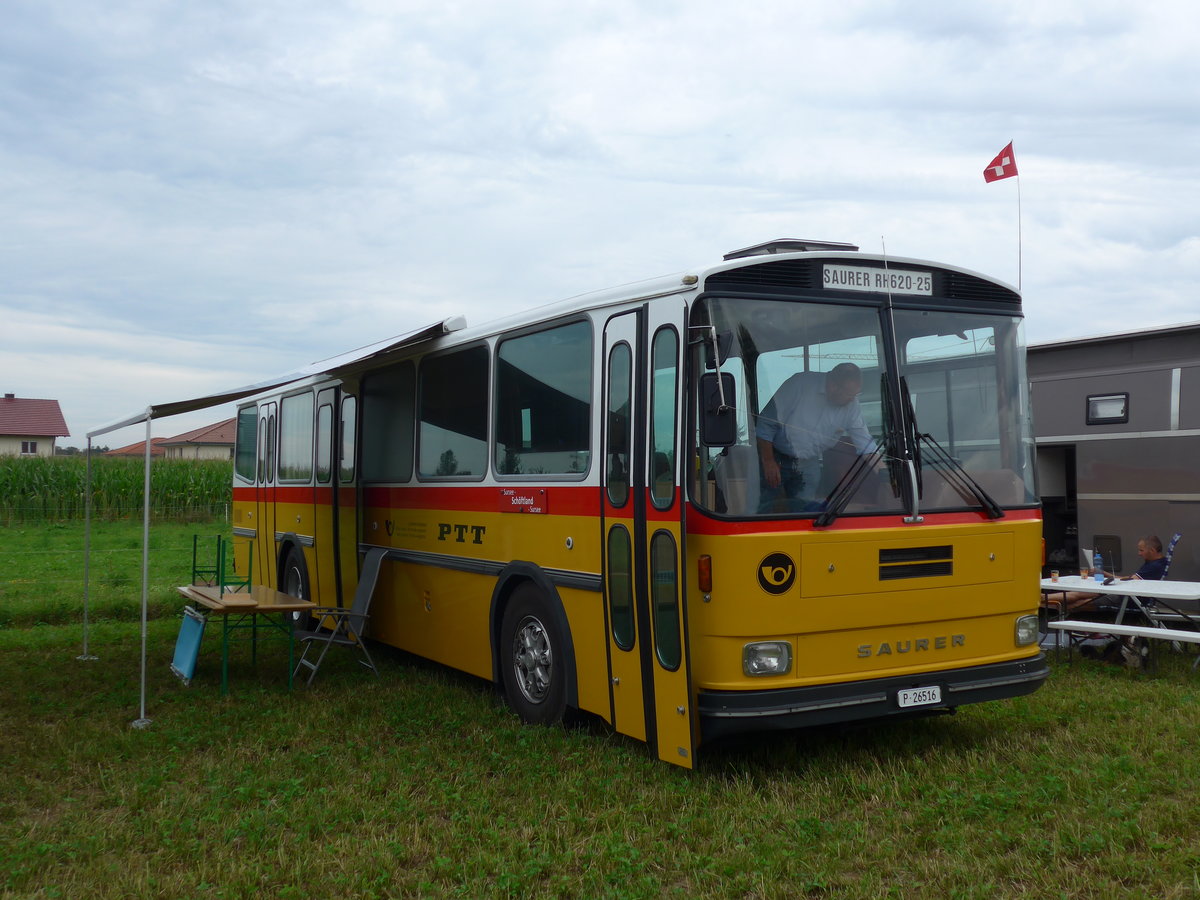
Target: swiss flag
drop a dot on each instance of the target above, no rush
(1003, 166)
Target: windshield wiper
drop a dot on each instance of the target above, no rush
(850, 482)
(913, 438)
(943, 462)
(959, 478)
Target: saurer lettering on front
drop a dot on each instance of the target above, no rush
(915, 645)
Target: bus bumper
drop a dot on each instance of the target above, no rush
(732, 712)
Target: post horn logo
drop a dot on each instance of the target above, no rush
(776, 573)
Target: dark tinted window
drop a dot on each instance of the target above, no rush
(543, 402)
(453, 415)
(247, 431)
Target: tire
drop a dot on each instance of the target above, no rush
(534, 664)
(293, 580)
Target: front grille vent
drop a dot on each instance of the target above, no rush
(916, 562)
(791, 274)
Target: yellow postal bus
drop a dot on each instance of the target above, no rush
(795, 487)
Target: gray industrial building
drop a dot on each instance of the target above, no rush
(1117, 422)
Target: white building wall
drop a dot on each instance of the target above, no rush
(10, 445)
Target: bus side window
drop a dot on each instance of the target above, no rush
(296, 437)
(453, 415)
(324, 443)
(543, 402)
(348, 432)
(616, 453)
(663, 387)
(389, 397)
(245, 454)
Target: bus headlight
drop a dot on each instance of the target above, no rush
(767, 658)
(1027, 630)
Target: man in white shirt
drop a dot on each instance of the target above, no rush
(809, 414)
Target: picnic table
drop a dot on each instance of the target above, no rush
(254, 609)
(1136, 591)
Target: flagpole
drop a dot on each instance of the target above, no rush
(1005, 166)
(1020, 243)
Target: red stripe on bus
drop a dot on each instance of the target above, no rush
(557, 501)
(322, 494)
(582, 500)
(697, 523)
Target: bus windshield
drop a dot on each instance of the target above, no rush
(816, 421)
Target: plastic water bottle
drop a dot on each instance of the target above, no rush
(1098, 567)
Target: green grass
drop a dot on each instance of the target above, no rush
(420, 783)
(42, 569)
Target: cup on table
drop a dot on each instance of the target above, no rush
(1054, 574)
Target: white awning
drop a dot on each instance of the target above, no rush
(355, 360)
(334, 365)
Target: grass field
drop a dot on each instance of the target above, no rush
(42, 569)
(420, 783)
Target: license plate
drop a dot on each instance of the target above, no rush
(925, 696)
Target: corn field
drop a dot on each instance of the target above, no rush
(42, 489)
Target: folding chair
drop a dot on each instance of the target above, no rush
(346, 625)
(217, 574)
(1170, 552)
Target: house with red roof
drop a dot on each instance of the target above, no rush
(30, 427)
(139, 449)
(210, 442)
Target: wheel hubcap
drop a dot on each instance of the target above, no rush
(294, 585)
(533, 659)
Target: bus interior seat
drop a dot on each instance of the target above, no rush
(1002, 485)
(738, 479)
(663, 475)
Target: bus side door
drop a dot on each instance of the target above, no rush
(265, 492)
(644, 590)
(347, 519)
(626, 693)
(323, 572)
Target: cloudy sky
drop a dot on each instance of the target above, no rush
(202, 195)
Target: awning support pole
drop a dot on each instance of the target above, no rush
(143, 721)
(87, 550)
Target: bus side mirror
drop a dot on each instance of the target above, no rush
(718, 424)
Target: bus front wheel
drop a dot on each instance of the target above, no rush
(532, 648)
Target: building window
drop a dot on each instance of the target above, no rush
(1107, 409)
(29, 448)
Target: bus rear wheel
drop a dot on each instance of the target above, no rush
(293, 581)
(533, 670)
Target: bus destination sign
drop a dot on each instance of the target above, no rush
(527, 500)
(877, 281)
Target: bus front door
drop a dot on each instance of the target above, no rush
(649, 684)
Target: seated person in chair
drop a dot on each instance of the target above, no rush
(1154, 564)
